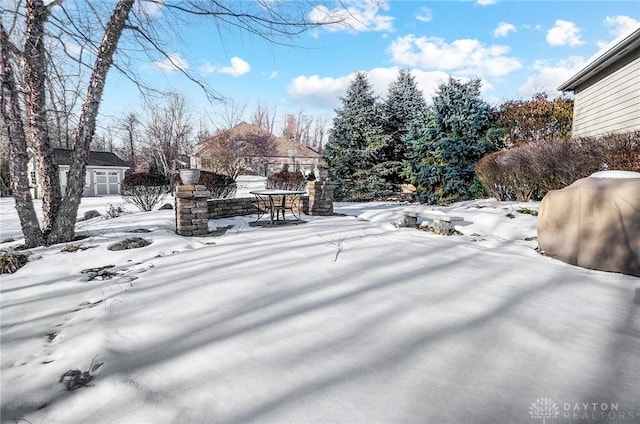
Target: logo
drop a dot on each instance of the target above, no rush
(544, 408)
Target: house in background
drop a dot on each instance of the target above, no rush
(295, 155)
(105, 172)
(607, 89)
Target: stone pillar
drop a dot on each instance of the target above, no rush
(192, 214)
(320, 197)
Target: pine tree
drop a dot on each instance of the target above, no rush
(447, 142)
(403, 105)
(355, 149)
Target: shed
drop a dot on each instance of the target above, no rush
(105, 172)
(607, 89)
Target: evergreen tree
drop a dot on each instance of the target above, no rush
(403, 105)
(355, 149)
(448, 140)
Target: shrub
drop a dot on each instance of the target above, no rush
(10, 262)
(145, 190)
(147, 179)
(221, 186)
(285, 180)
(620, 151)
(555, 165)
(531, 170)
(130, 243)
(493, 171)
(538, 119)
(114, 211)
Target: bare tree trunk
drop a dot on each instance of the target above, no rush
(34, 68)
(64, 226)
(128, 123)
(10, 109)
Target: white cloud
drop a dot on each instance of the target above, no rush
(620, 24)
(271, 75)
(548, 76)
(172, 63)
(486, 2)
(325, 92)
(503, 29)
(151, 9)
(564, 33)
(465, 56)
(238, 67)
(424, 14)
(206, 68)
(358, 16)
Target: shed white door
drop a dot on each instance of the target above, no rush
(106, 182)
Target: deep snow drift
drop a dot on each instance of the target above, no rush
(341, 319)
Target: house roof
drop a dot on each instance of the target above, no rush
(608, 55)
(241, 128)
(63, 157)
(284, 147)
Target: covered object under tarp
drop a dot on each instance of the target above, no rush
(594, 222)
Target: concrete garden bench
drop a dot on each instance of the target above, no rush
(442, 222)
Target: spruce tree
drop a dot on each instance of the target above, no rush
(403, 105)
(355, 149)
(446, 143)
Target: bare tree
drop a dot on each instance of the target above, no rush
(169, 133)
(229, 152)
(64, 82)
(320, 131)
(264, 117)
(36, 30)
(104, 142)
(297, 127)
(129, 124)
(231, 115)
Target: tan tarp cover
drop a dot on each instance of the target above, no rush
(593, 223)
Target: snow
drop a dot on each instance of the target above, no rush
(342, 319)
(615, 174)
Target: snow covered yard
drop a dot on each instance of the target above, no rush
(342, 319)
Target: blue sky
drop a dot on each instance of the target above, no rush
(515, 47)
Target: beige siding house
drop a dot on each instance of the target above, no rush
(607, 89)
(295, 155)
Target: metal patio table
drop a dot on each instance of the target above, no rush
(275, 202)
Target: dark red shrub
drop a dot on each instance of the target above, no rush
(145, 190)
(220, 186)
(145, 179)
(531, 170)
(285, 180)
(620, 151)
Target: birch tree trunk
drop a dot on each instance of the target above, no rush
(34, 69)
(64, 225)
(18, 158)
